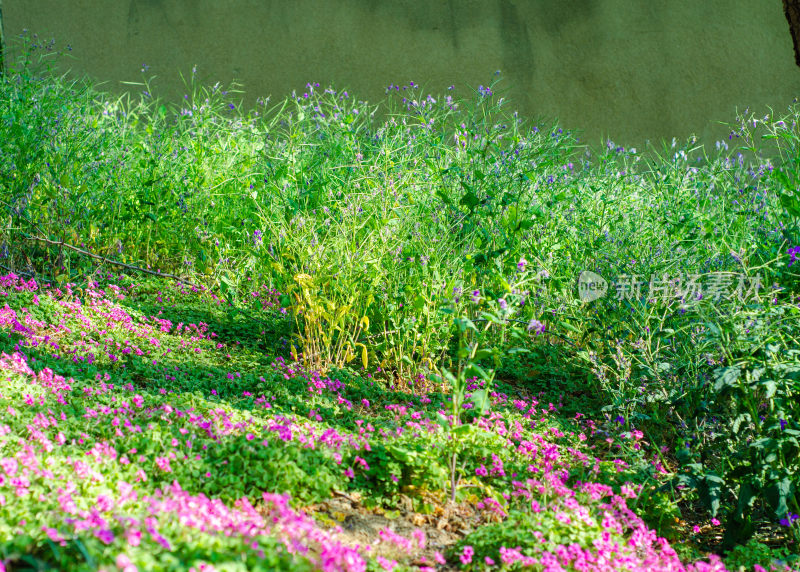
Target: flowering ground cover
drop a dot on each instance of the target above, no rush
(422, 333)
(122, 449)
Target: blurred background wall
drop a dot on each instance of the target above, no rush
(630, 70)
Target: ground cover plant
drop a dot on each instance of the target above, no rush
(423, 333)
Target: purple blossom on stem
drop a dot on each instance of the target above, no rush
(536, 326)
(789, 520)
(793, 252)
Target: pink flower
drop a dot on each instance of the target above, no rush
(104, 503)
(714, 522)
(419, 536)
(9, 465)
(133, 536)
(54, 535)
(124, 563)
(466, 555)
(105, 536)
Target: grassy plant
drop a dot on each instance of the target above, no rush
(363, 220)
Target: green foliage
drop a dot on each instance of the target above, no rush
(746, 556)
(756, 455)
(365, 221)
(23, 553)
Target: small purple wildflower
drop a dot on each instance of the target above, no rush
(536, 326)
(793, 252)
(789, 520)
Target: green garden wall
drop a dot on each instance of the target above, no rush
(628, 69)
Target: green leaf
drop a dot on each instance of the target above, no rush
(85, 553)
(569, 327)
(726, 377)
(481, 400)
(712, 492)
(777, 494)
(790, 203)
(470, 200)
(474, 369)
(483, 354)
(747, 496)
(450, 378)
(463, 429)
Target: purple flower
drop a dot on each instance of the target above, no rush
(536, 326)
(503, 304)
(793, 252)
(783, 424)
(105, 536)
(790, 518)
(522, 264)
(476, 296)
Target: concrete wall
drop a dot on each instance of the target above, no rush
(628, 69)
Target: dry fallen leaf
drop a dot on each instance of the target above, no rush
(418, 519)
